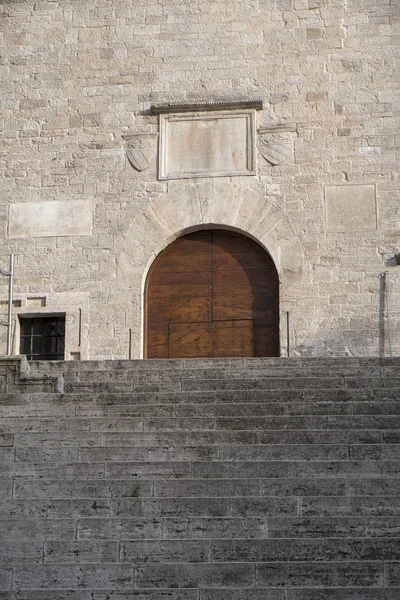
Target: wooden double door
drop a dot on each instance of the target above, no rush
(212, 293)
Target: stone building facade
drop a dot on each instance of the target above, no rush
(128, 124)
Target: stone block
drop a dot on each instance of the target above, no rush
(6, 486)
(195, 575)
(60, 509)
(355, 506)
(50, 455)
(54, 471)
(373, 486)
(145, 440)
(53, 595)
(349, 574)
(184, 453)
(353, 593)
(165, 551)
(112, 454)
(58, 438)
(232, 469)
(176, 424)
(170, 507)
(393, 574)
(211, 489)
(119, 529)
(151, 470)
(207, 527)
(80, 552)
(147, 594)
(34, 530)
(65, 577)
(14, 552)
(235, 594)
(333, 527)
(265, 452)
(361, 468)
(257, 507)
(5, 579)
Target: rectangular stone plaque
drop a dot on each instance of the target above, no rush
(54, 218)
(350, 208)
(207, 144)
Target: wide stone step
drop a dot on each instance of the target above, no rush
(264, 383)
(135, 374)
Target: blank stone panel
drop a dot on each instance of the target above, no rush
(53, 218)
(350, 208)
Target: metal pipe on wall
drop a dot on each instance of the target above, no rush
(10, 306)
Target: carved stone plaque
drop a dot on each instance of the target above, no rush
(207, 144)
(276, 145)
(141, 149)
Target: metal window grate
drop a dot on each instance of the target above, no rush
(42, 338)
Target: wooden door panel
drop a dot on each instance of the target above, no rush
(184, 310)
(243, 307)
(266, 341)
(190, 263)
(235, 244)
(158, 337)
(180, 291)
(255, 276)
(157, 343)
(233, 324)
(199, 242)
(237, 285)
(189, 277)
(191, 340)
(227, 262)
(233, 338)
(212, 293)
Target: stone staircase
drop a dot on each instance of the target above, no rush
(235, 479)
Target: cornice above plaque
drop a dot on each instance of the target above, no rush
(207, 144)
(163, 109)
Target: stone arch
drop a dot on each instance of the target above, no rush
(202, 205)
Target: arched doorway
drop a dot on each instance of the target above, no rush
(212, 293)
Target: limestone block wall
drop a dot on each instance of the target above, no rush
(78, 83)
